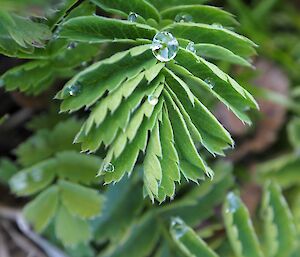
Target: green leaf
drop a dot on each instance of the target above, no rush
(161, 5)
(170, 161)
(7, 170)
(184, 142)
(70, 229)
(152, 167)
(47, 142)
(76, 167)
(124, 8)
(32, 180)
(31, 76)
(294, 133)
(202, 33)
(126, 196)
(239, 228)
(81, 201)
(139, 242)
(220, 53)
(23, 31)
(97, 29)
(188, 241)
(230, 93)
(42, 209)
(200, 14)
(280, 230)
(127, 64)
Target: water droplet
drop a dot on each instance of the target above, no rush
(217, 25)
(108, 167)
(183, 17)
(164, 46)
(153, 100)
(74, 90)
(132, 17)
(191, 47)
(178, 227)
(233, 203)
(72, 45)
(209, 82)
(84, 64)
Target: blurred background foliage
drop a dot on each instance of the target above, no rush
(251, 208)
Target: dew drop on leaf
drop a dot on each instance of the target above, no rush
(72, 45)
(108, 167)
(74, 90)
(191, 47)
(209, 82)
(233, 203)
(179, 227)
(183, 17)
(164, 46)
(217, 25)
(153, 100)
(132, 17)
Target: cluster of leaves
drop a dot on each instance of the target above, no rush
(61, 179)
(169, 132)
(172, 137)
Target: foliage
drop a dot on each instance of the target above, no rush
(113, 129)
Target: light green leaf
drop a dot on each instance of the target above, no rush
(161, 5)
(34, 179)
(42, 209)
(97, 29)
(188, 241)
(294, 133)
(124, 8)
(70, 229)
(280, 230)
(200, 14)
(220, 53)
(81, 201)
(239, 228)
(202, 33)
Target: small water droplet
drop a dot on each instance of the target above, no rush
(233, 203)
(178, 227)
(84, 64)
(209, 82)
(191, 47)
(72, 45)
(74, 90)
(183, 17)
(132, 17)
(108, 167)
(153, 100)
(217, 25)
(164, 46)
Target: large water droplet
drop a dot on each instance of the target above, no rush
(183, 17)
(72, 45)
(108, 167)
(152, 99)
(179, 227)
(164, 46)
(233, 203)
(209, 82)
(132, 17)
(191, 47)
(74, 90)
